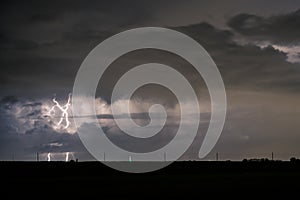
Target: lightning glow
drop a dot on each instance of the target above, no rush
(67, 156)
(64, 109)
(49, 157)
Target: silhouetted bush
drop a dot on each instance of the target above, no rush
(293, 159)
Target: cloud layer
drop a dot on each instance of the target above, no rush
(42, 46)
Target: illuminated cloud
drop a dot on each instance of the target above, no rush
(280, 32)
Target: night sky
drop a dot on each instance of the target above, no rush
(254, 43)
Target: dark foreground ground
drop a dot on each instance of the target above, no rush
(180, 179)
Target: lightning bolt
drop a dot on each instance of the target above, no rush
(67, 156)
(49, 157)
(64, 109)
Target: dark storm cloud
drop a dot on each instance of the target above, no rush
(43, 43)
(208, 35)
(283, 28)
(25, 146)
(245, 66)
(7, 42)
(8, 100)
(51, 141)
(45, 20)
(241, 66)
(43, 46)
(250, 67)
(24, 131)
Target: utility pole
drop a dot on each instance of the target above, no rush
(37, 157)
(217, 156)
(104, 157)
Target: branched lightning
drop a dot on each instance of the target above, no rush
(64, 110)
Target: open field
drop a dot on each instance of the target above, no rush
(179, 178)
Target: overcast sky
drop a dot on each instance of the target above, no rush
(254, 43)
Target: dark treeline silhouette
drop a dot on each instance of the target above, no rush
(293, 159)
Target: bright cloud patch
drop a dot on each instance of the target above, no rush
(293, 52)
